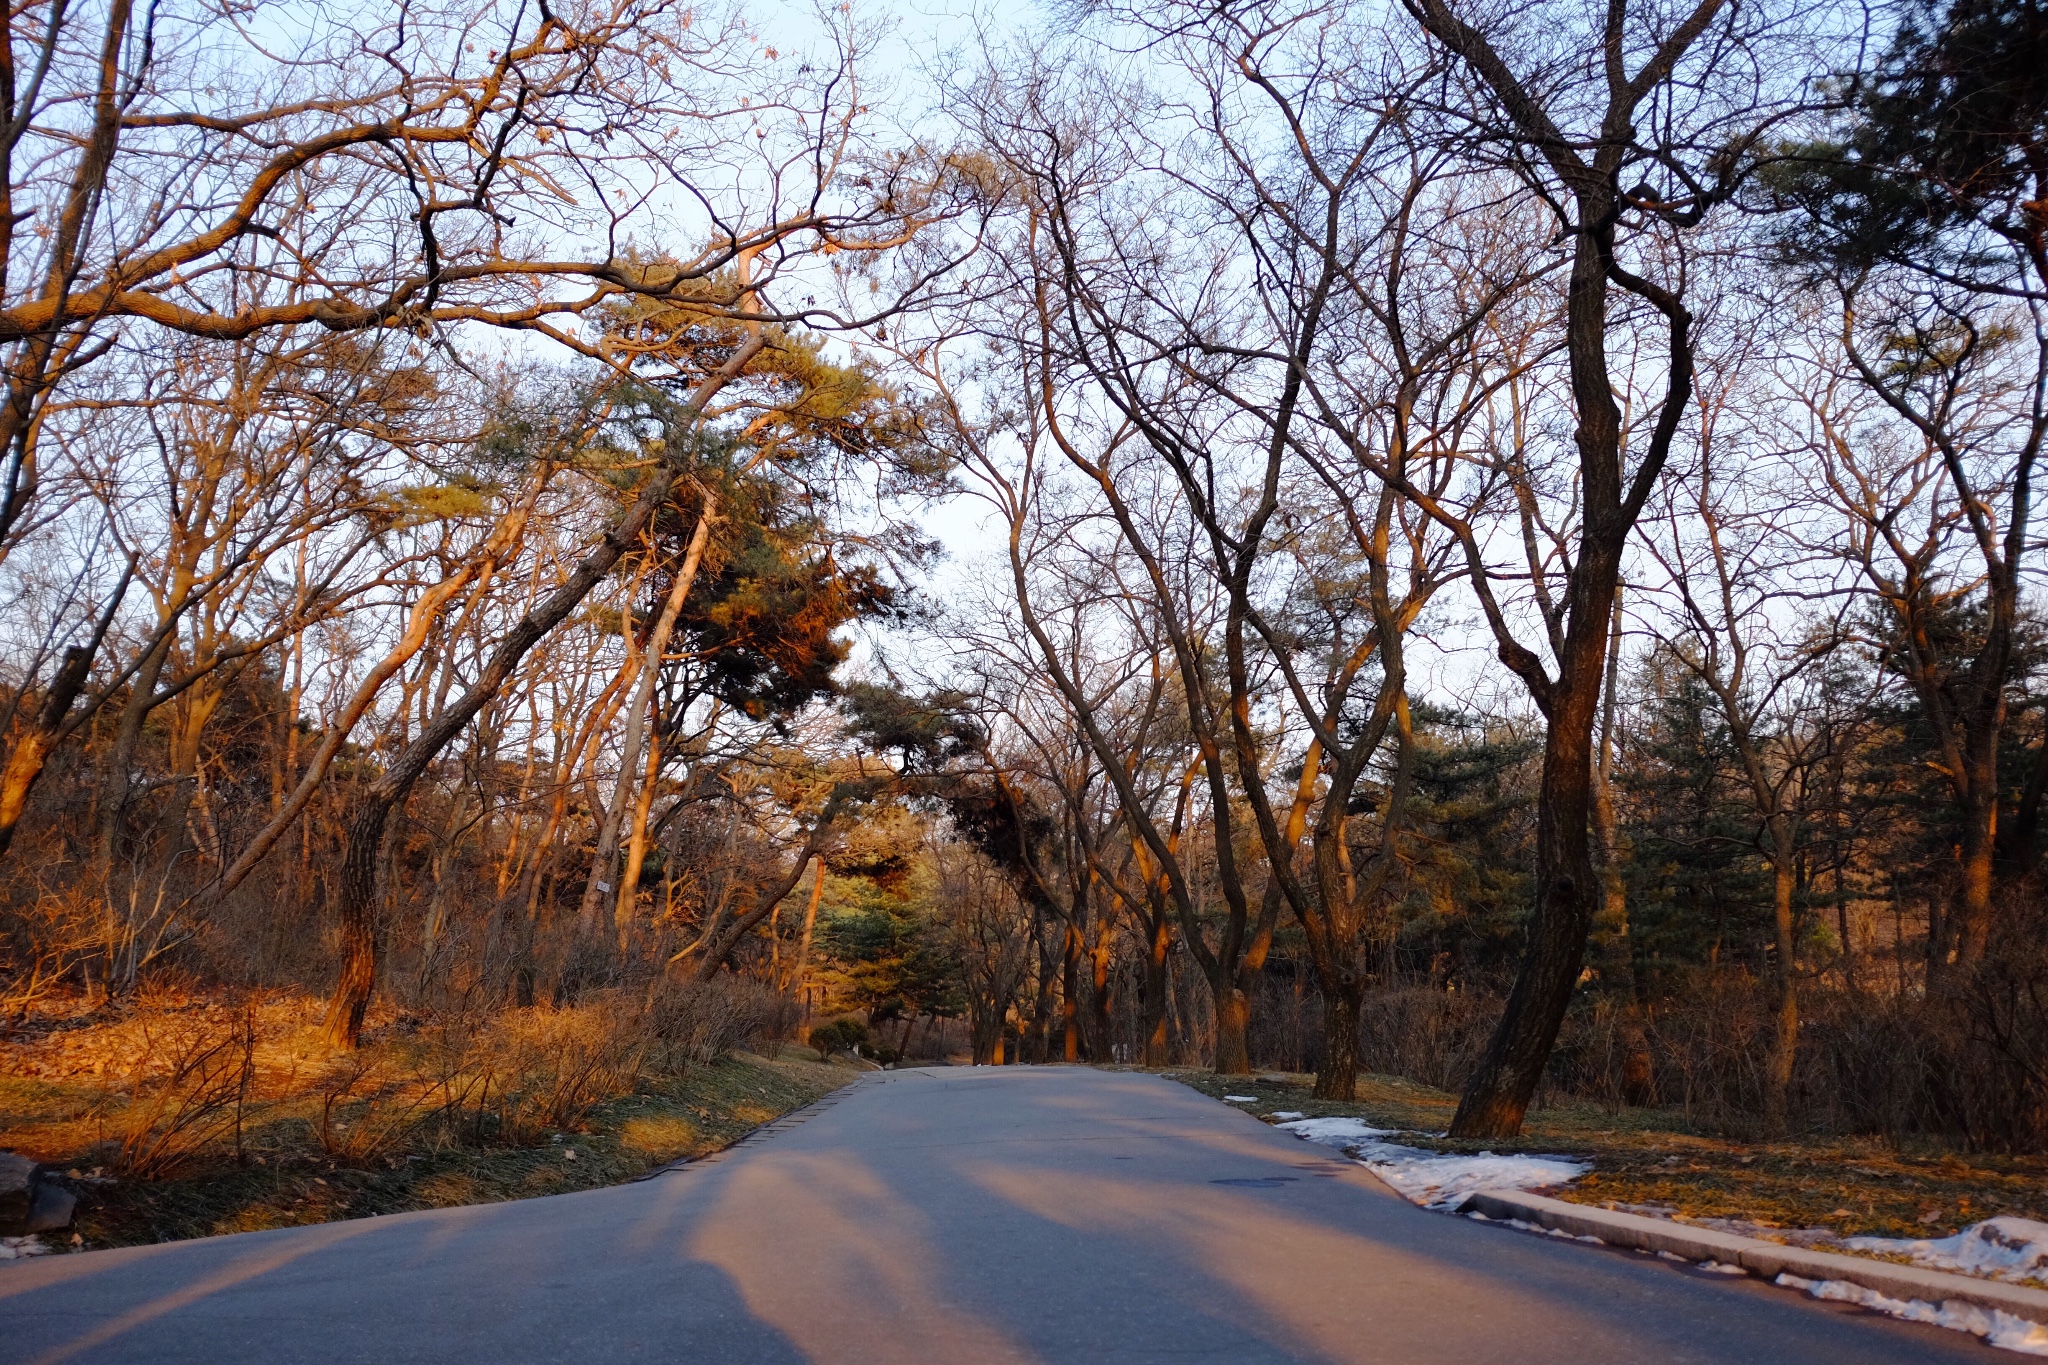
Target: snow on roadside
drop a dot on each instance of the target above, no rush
(14, 1248)
(1998, 1328)
(1437, 1180)
(2001, 1248)
(1997, 1248)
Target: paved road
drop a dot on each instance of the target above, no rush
(949, 1217)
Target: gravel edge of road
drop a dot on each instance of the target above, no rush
(1766, 1260)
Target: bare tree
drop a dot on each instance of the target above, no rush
(1673, 101)
(1742, 587)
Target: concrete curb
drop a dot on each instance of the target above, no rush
(1766, 1259)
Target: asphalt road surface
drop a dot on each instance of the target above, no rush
(951, 1215)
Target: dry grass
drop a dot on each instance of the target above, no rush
(189, 1116)
(1649, 1158)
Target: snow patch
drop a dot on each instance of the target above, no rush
(1437, 1180)
(1241, 1099)
(1998, 1328)
(1522, 1226)
(1998, 1248)
(1337, 1132)
(15, 1248)
(1284, 1114)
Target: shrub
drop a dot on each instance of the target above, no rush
(196, 1102)
(697, 1022)
(841, 1035)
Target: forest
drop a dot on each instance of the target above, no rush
(1481, 544)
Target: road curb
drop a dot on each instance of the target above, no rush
(1766, 1259)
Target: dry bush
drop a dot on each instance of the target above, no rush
(470, 1077)
(555, 1063)
(46, 932)
(782, 1015)
(1998, 1086)
(1708, 1051)
(370, 1104)
(1431, 1036)
(177, 1112)
(1968, 1066)
(696, 1022)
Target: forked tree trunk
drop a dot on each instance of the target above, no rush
(1610, 499)
(718, 943)
(419, 625)
(603, 864)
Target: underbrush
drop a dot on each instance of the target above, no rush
(1968, 1070)
(187, 1115)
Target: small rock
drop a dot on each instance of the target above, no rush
(54, 1209)
(29, 1203)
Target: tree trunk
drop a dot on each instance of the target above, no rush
(803, 947)
(1337, 1079)
(636, 843)
(1970, 918)
(1100, 1048)
(1568, 896)
(1155, 1053)
(1040, 1033)
(1784, 1053)
(1070, 1004)
(985, 1040)
(1233, 1022)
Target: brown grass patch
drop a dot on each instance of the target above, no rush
(190, 1117)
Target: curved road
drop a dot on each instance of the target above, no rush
(946, 1216)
